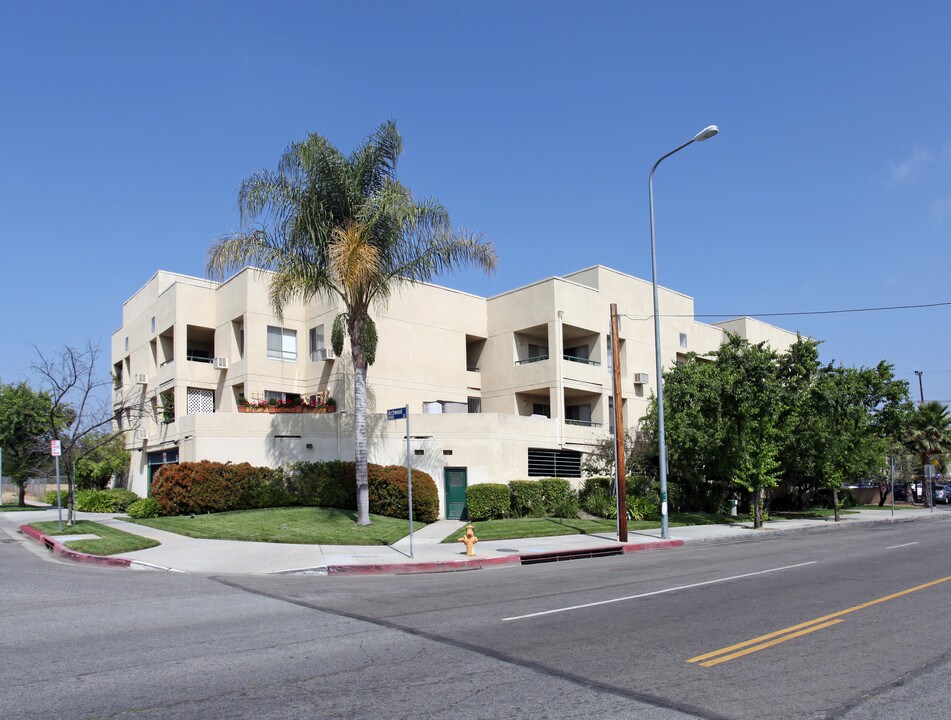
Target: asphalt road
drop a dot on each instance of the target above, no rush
(846, 624)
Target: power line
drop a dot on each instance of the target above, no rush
(818, 312)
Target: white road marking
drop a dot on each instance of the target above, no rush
(904, 545)
(657, 592)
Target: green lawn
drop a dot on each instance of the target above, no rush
(304, 525)
(25, 508)
(808, 513)
(112, 542)
(515, 528)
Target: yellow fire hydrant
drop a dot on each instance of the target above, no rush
(470, 540)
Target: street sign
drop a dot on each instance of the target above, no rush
(56, 448)
(396, 413)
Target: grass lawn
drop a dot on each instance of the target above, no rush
(304, 525)
(25, 508)
(514, 528)
(112, 542)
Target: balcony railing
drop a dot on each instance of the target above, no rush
(526, 361)
(579, 359)
(583, 423)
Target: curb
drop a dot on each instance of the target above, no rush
(444, 566)
(846, 524)
(59, 550)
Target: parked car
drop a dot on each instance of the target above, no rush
(901, 493)
(943, 494)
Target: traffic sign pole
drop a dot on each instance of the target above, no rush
(403, 414)
(56, 449)
(409, 483)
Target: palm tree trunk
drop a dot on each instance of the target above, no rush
(360, 438)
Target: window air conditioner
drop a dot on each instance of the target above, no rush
(221, 363)
(324, 354)
(641, 378)
(141, 379)
(141, 434)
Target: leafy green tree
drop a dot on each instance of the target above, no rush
(722, 424)
(24, 433)
(106, 459)
(929, 433)
(344, 228)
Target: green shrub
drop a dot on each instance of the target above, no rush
(558, 496)
(50, 497)
(642, 508)
(144, 508)
(602, 485)
(322, 484)
(599, 502)
(98, 501)
(389, 494)
(527, 499)
(488, 501)
(123, 498)
(207, 487)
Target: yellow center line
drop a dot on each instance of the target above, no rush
(763, 646)
(793, 631)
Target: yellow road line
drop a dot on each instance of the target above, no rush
(792, 631)
(763, 646)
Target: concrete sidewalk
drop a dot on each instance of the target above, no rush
(178, 553)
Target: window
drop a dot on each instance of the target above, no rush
(554, 463)
(316, 341)
(578, 414)
(281, 344)
(683, 340)
(127, 343)
(281, 397)
(579, 352)
(537, 352)
(152, 324)
(541, 409)
(475, 405)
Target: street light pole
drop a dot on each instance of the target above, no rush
(705, 134)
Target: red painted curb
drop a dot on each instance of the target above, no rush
(657, 545)
(60, 550)
(427, 567)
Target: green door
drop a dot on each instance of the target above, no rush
(455, 483)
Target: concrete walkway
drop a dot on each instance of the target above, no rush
(178, 553)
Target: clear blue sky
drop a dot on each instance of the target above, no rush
(128, 127)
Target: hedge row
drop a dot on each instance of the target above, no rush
(522, 498)
(206, 487)
(209, 487)
(102, 501)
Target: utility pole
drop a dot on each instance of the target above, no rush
(619, 465)
(926, 490)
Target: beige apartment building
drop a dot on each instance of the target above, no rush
(513, 386)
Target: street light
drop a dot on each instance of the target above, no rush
(705, 134)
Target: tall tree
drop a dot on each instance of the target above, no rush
(83, 413)
(345, 229)
(929, 433)
(24, 433)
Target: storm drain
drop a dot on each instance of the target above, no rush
(563, 555)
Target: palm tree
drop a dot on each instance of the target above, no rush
(345, 228)
(929, 433)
